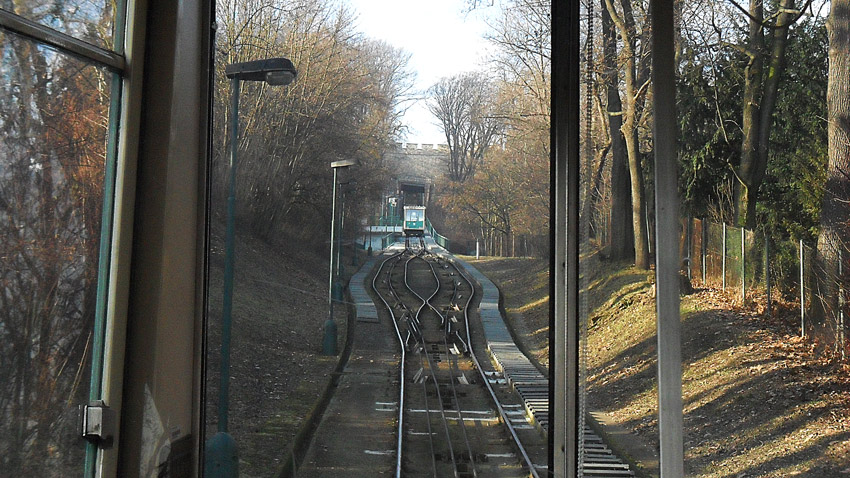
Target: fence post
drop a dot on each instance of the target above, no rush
(802, 295)
(723, 268)
(767, 270)
(703, 249)
(840, 341)
(743, 266)
(689, 231)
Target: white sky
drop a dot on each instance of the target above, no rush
(441, 39)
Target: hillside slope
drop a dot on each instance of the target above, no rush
(758, 401)
(277, 370)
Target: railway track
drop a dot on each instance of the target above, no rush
(451, 421)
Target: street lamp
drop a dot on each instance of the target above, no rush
(329, 342)
(221, 454)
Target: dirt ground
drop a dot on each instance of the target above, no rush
(759, 401)
(277, 370)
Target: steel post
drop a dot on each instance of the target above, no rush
(802, 294)
(743, 266)
(723, 266)
(841, 303)
(670, 420)
(564, 233)
(221, 457)
(229, 246)
(767, 272)
(703, 250)
(330, 324)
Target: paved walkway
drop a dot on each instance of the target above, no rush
(356, 436)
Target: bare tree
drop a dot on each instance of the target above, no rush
(344, 104)
(621, 240)
(762, 73)
(53, 127)
(463, 106)
(522, 35)
(834, 237)
(635, 68)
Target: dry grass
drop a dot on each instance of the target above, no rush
(277, 371)
(758, 400)
(524, 283)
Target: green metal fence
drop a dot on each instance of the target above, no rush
(387, 240)
(757, 267)
(386, 221)
(441, 240)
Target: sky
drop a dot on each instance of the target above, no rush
(442, 41)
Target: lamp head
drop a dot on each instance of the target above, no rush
(343, 163)
(274, 71)
(280, 78)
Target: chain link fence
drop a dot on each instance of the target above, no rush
(758, 268)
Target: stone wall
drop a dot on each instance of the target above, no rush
(418, 161)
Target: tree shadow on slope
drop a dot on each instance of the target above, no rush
(756, 401)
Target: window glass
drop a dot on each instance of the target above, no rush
(53, 148)
(92, 21)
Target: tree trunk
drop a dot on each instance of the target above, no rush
(638, 196)
(835, 213)
(760, 95)
(621, 238)
(629, 129)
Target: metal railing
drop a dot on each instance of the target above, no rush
(441, 240)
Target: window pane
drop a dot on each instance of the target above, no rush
(92, 21)
(53, 130)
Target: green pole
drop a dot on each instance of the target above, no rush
(229, 239)
(338, 292)
(329, 342)
(743, 266)
(222, 456)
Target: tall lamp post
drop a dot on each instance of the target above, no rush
(344, 187)
(329, 342)
(222, 459)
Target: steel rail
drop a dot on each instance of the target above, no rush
(403, 356)
(447, 326)
(428, 417)
(412, 325)
(532, 469)
(426, 302)
(414, 321)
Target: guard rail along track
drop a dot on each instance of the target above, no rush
(598, 460)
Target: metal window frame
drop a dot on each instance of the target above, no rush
(564, 243)
(116, 147)
(113, 60)
(564, 237)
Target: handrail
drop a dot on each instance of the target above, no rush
(441, 240)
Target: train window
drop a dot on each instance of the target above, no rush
(298, 362)
(54, 169)
(92, 21)
(58, 116)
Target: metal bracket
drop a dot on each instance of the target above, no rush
(97, 423)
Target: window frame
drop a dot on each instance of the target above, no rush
(109, 330)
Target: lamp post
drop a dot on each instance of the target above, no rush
(329, 342)
(221, 458)
(344, 188)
